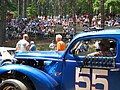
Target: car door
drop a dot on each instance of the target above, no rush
(83, 72)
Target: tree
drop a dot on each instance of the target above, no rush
(90, 10)
(41, 6)
(109, 6)
(32, 10)
(3, 10)
(20, 8)
(102, 13)
(24, 8)
(112, 6)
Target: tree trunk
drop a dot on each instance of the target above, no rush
(39, 10)
(90, 11)
(102, 14)
(24, 8)
(19, 8)
(73, 13)
(60, 7)
(3, 11)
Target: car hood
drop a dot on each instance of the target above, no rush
(7, 57)
(44, 55)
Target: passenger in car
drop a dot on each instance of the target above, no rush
(104, 49)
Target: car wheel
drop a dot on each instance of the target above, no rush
(13, 84)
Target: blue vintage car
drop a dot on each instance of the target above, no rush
(76, 68)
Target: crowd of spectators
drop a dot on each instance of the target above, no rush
(37, 26)
(44, 26)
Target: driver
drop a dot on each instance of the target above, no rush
(104, 49)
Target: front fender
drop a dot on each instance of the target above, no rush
(40, 79)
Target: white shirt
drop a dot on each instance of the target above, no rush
(52, 46)
(22, 44)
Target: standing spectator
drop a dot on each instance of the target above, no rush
(52, 45)
(86, 21)
(94, 21)
(84, 46)
(32, 46)
(23, 44)
(60, 44)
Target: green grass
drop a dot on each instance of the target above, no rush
(44, 47)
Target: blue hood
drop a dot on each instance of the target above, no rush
(44, 55)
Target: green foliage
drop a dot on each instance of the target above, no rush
(42, 2)
(32, 10)
(96, 5)
(81, 6)
(114, 5)
(15, 14)
(11, 6)
(50, 7)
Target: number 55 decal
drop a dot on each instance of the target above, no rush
(86, 81)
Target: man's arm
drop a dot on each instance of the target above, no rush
(28, 47)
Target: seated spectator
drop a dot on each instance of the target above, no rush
(84, 46)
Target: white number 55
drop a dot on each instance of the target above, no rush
(98, 77)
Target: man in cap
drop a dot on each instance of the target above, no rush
(60, 46)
